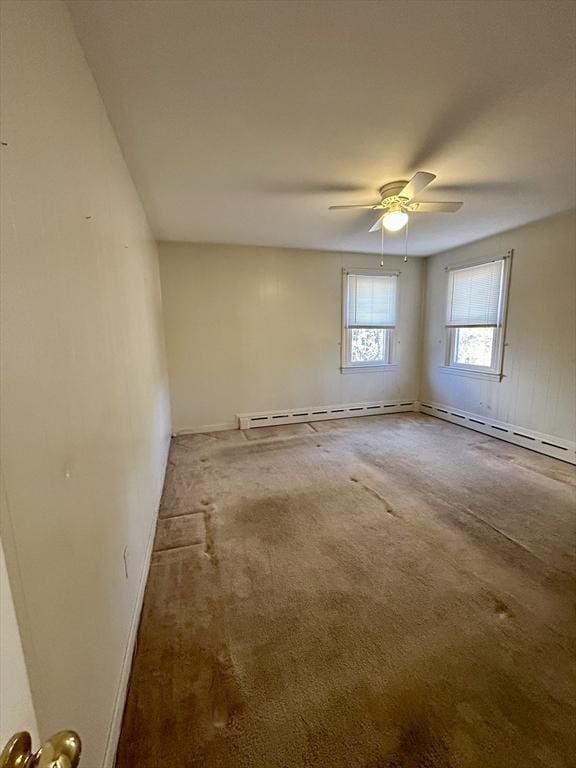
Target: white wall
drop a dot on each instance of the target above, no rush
(256, 329)
(537, 390)
(85, 412)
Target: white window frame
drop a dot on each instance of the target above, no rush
(347, 365)
(495, 371)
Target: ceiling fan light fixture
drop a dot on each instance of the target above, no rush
(397, 198)
(393, 221)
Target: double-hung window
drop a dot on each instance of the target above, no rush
(476, 315)
(369, 319)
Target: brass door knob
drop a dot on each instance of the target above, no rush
(60, 751)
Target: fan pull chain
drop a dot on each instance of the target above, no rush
(382, 246)
(406, 241)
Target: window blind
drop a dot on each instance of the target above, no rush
(474, 295)
(371, 301)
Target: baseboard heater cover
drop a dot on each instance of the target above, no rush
(557, 447)
(321, 413)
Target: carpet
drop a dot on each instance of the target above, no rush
(382, 592)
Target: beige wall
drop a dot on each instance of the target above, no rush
(537, 390)
(256, 329)
(85, 414)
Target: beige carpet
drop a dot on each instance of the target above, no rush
(383, 592)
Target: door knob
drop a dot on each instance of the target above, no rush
(60, 751)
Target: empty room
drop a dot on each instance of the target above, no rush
(288, 384)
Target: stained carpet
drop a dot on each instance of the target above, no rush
(382, 592)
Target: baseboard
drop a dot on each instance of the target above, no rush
(324, 412)
(221, 427)
(122, 691)
(550, 445)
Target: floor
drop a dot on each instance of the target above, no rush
(383, 592)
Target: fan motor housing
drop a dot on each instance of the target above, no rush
(392, 190)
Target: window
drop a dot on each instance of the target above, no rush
(475, 317)
(369, 318)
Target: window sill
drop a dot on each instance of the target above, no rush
(368, 368)
(471, 373)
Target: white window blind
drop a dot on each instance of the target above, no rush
(474, 295)
(371, 301)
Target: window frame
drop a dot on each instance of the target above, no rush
(347, 365)
(495, 371)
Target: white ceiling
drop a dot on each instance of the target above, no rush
(242, 121)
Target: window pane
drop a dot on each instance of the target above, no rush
(368, 345)
(473, 346)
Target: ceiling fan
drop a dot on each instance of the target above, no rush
(397, 201)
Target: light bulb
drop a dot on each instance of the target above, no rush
(394, 220)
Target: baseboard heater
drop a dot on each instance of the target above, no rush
(556, 447)
(321, 413)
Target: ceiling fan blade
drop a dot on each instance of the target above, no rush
(342, 207)
(435, 207)
(417, 184)
(377, 225)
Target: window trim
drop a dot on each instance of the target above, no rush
(377, 366)
(495, 371)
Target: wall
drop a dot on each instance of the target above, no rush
(537, 390)
(85, 413)
(256, 329)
